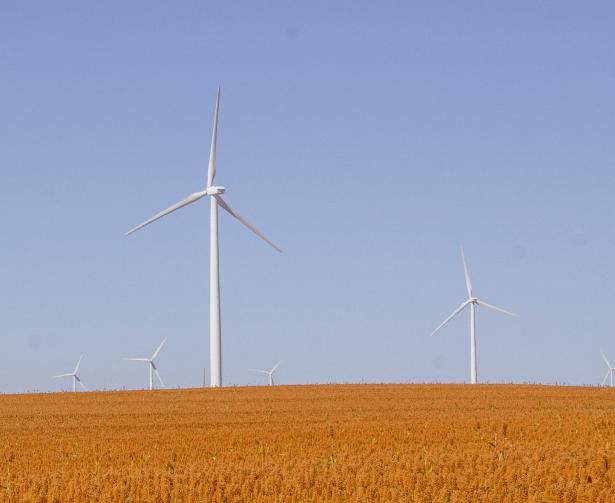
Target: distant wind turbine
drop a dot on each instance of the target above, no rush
(151, 365)
(268, 372)
(74, 375)
(472, 302)
(215, 332)
(609, 372)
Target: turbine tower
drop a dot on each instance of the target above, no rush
(268, 372)
(215, 191)
(74, 375)
(609, 372)
(472, 302)
(151, 365)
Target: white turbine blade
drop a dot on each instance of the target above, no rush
(455, 313)
(224, 205)
(158, 376)
(605, 377)
(484, 304)
(258, 370)
(605, 360)
(184, 202)
(63, 375)
(137, 359)
(78, 363)
(159, 348)
(467, 274)
(211, 169)
(79, 381)
(275, 367)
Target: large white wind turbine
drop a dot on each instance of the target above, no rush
(151, 365)
(608, 372)
(215, 191)
(268, 372)
(74, 375)
(472, 302)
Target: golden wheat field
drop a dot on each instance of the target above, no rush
(334, 443)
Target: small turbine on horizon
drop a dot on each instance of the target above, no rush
(268, 372)
(151, 365)
(472, 302)
(74, 375)
(609, 372)
(215, 192)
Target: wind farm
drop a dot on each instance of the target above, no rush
(297, 442)
(159, 346)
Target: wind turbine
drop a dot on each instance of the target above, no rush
(151, 365)
(74, 375)
(268, 372)
(472, 302)
(609, 372)
(215, 191)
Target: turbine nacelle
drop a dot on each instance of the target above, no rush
(214, 190)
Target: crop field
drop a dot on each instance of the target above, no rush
(357, 443)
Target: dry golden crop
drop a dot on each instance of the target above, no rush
(357, 443)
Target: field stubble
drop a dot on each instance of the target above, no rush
(356, 443)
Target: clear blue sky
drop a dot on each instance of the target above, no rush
(368, 139)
